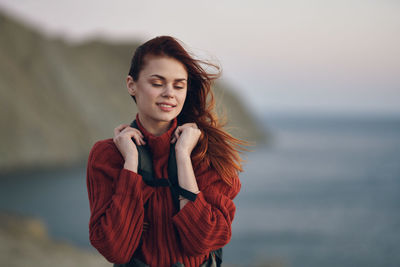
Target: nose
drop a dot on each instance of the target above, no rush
(168, 91)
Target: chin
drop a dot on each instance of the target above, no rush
(167, 118)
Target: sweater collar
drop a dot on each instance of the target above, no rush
(159, 145)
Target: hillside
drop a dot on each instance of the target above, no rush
(57, 99)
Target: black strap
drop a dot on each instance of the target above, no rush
(145, 169)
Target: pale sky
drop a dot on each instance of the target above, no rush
(313, 56)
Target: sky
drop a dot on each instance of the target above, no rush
(279, 56)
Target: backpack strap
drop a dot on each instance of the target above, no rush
(145, 165)
(145, 169)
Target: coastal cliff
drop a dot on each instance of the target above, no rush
(57, 98)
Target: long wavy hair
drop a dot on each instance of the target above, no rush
(216, 147)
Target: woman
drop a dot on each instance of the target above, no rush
(136, 223)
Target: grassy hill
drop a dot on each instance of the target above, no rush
(57, 99)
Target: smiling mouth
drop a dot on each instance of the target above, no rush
(166, 105)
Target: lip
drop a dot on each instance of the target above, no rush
(168, 107)
(166, 103)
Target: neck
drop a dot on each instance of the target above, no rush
(156, 128)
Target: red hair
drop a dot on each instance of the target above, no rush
(216, 147)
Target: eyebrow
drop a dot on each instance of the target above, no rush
(163, 78)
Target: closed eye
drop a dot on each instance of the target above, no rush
(179, 85)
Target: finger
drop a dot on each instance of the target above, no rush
(137, 140)
(119, 128)
(143, 142)
(139, 132)
(141, 137)
(122, 126)
(134, 134)
(131, 130)
(176, 134)
(190, 124)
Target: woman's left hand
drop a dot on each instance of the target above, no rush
(186, 137)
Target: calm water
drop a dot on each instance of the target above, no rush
(326, 192)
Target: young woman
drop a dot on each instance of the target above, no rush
(134, 222)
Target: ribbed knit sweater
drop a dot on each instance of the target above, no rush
(117, 197)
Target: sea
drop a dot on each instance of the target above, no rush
(324, 191)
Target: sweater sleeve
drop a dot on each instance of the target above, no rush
(204, 225)
(116, 204)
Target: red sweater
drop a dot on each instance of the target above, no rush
(117, 196)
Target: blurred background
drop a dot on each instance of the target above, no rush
(314, 84)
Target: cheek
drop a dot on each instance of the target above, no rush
(147, 94)
(144, 101)
(182, 97)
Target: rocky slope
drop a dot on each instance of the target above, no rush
(57, 99)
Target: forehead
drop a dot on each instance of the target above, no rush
(168, 67)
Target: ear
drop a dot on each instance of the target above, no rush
(131, 85)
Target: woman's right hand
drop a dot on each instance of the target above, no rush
(123, 135)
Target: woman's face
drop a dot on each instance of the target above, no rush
(160, 90)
